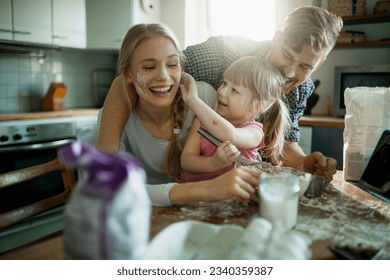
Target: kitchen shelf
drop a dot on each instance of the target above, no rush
(365, 19)
(367, 44)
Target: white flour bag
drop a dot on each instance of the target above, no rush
(108, 214)
(367, 115)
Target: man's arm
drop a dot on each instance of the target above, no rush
(315, 163)
(116, 111)
(294, 155)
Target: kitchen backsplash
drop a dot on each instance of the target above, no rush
(25, 78)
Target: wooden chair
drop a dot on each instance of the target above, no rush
(12, 178)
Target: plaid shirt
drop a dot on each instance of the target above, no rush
(208, 61)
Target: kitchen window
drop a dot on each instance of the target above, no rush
(252, 19)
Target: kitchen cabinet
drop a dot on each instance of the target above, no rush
(306, 138)
(323, 134)
(49, 22)
(32, 21)
(5, 20)
(363, 20)
(107, 24)
(69, 23)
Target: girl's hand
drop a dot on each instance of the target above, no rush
(224, 156)
(188, 88)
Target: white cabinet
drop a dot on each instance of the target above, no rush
(306, 138)
(32, 21)
(87, 129)
(57, 22)
(69, 23)
(107, 23)
(5, 20)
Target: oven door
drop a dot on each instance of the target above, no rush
(26, 155)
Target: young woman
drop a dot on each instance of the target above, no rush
(149, 63)
(251, 86)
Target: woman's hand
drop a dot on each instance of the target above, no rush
(188, 88)
(240, 183)
(225, 155)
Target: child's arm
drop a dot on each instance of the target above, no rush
(245, 137)
(192, 160)
(116, 111)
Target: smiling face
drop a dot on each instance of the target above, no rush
(296, 66)
(155, 71)
(235, 102)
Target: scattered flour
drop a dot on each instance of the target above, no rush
(333, 216)
(222, 209)
(344, 220)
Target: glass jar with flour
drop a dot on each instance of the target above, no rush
(279, 195)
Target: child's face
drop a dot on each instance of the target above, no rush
(235, 102)
(295, 67)
(155, 71)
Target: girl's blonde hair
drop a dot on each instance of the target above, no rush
(314, 26)
(137, 34)
(266, 84)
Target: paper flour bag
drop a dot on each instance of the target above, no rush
(367, 115)
(108, 214)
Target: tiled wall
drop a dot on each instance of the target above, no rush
(24, 79)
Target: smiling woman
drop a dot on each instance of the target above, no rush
(252, 19)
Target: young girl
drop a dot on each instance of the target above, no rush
(252, 86)
(150, 64)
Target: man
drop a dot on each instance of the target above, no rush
(307, 36)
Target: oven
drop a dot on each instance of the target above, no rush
(24, 143)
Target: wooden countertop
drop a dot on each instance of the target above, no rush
(327, 121)
(324, 121)
(343, 214)
(49, 114)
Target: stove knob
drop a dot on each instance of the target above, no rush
(4, 138)
(17, 137)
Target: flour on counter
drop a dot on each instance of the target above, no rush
(221, 209)
(346, 221)
(342, 218)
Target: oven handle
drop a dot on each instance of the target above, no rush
(38, 146)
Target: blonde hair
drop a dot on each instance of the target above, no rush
(314, 26)
(266, 84)
(135, 35)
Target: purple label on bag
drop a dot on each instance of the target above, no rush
(109, 169)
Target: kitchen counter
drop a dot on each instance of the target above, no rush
(328, 121)
(343, 214)
(49, 114)
(323, 121)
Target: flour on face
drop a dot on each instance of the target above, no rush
(141, 83)
(164, 73)
(244, 101)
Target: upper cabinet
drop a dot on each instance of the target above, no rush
(32, 21)
(95, 24)
(69, 23)
(5, 20)
(107, 23)
(49, 22)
